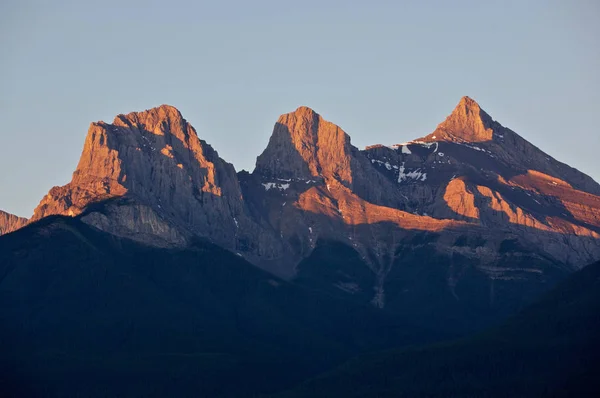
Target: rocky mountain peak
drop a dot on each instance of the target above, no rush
(147, 176)
(481, 139)
(467, 123)
(156, 158)
(10, 222)
(302, 111)
(468, 104)
(304, 145)
(164, 119)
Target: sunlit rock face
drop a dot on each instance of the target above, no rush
(155, 155)
(467, 123)
(481, 172)
(317, 186)
(460, 200)
(10, 222)
(479, 191)
(156, 159)
(471, 126)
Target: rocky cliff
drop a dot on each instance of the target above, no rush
(176, 186)
(10, 222)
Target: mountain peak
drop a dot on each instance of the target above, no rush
(467, 123)
(158, 120)
(10, 222)
(469, 110)
(468, 102)
(154, 155)
(305, 145)
(302, 114)
(163, 110)
(303, 109)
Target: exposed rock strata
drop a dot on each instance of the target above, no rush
(156, 159)
(10, 222)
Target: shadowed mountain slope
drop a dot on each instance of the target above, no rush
(86, 313)
(550, 349)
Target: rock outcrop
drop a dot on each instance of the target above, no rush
(10, 222)
(175, 183)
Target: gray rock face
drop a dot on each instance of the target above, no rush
(10, 222)
(142, 223)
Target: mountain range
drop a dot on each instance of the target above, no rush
(158, 249)
(473, 196)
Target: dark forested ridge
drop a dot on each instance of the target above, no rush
(549, 349)
(85, 313)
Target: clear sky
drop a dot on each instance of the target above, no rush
(385, 71)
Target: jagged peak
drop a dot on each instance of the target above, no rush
(467, 122)
(303, 144)
(152, 116)
(305, 126)
(303, 110)
(303, 113)
(164, 109)
(161, 120)
(467, 102)
(469, 108)
(10, 222)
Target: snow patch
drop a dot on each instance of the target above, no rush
(427, 145)
(275, 185)
(406, 150)
(475, 148)
(386, 164)
(416, 175)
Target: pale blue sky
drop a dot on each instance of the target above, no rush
(385, 71)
